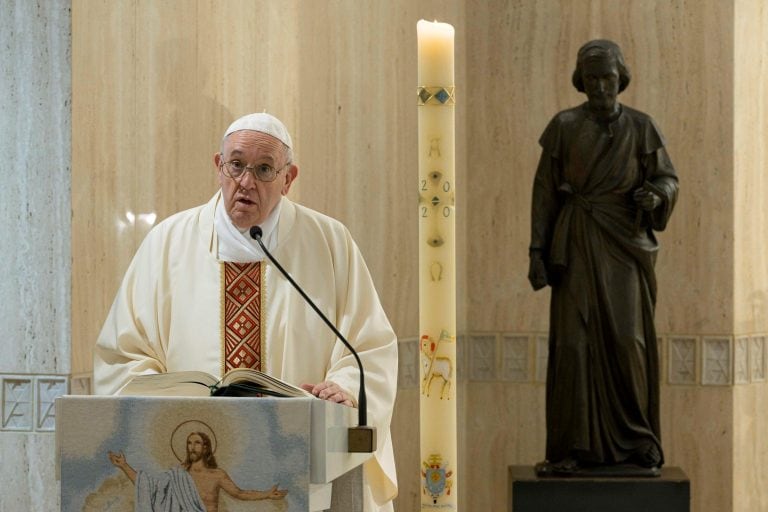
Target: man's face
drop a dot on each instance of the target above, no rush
(195, 448)
(601, 83)
(249, 201)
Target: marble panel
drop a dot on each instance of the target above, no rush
(81, 384)
(716, 360)
(462, 363)
(408, 364)
(757, 359)
(481, 349)
(35, 204)
(542, 357)
(28, 472)
(741, 360)
(47, 389)
(18, 398)
(682, 360)
(515, 358)
(750, 133)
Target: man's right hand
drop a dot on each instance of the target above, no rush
(537, 272)
(118, 459)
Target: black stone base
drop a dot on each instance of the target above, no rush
(670, 492)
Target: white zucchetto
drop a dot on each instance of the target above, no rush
(264, 123)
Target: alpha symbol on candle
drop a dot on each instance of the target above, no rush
(434, 147)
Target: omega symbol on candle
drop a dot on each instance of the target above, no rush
(434, 147)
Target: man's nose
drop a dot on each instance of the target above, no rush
(250, 176)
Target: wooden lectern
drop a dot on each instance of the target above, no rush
(297, 444)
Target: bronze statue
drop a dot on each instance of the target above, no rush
(604, 184)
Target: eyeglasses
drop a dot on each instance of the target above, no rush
(235, 169)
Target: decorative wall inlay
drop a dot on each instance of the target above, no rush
(48, 389)
(542, 357)
(716, 360)
(17, 403)
(682, 360)
(741, 360)
(514, 358)
(757, 359)
(28, 401)
(408, 364)
(80, 385)
(461, 359)
(660, 348)
(482, 357)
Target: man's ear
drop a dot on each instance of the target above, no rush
(290, 175)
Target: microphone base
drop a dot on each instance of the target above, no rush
(361, 439)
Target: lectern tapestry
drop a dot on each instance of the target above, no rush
(243, 293)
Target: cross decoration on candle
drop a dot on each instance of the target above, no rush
(437, 265)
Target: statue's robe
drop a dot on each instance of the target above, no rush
(603, 367)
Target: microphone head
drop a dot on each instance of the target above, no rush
(255, 232)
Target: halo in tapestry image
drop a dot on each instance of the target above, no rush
(182, 432)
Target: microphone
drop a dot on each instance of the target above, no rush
(361, 439)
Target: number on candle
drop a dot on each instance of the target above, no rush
(434, 147)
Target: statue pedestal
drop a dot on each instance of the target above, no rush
(670, 492)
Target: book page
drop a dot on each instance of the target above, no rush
(273, 385)
(188, 383)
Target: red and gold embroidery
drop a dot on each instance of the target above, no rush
(243, 288)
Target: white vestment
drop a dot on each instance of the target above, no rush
(167, 316)
(171, 491)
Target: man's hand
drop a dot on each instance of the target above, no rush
(537, 271)
(275, 494)
(330, 391)
(117, 459)
(646, 199)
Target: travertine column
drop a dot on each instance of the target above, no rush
(34, 244)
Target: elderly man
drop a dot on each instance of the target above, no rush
(603, 186)
(200, 295)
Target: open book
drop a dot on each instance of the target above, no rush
(237, 382)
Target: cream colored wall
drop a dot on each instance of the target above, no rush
(520, 59)
(751, 246)
(155, 83)
(750, 162)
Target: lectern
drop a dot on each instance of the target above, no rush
(298, 444)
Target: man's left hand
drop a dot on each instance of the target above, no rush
(330, 391)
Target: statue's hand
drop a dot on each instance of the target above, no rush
(537, 272)
(646, 199)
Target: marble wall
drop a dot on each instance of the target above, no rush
(750, 458)
(155, 83)
(35, 256)
(341, 76)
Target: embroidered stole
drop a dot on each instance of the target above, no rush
(243, 293)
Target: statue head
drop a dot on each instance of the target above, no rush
(601, 74)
